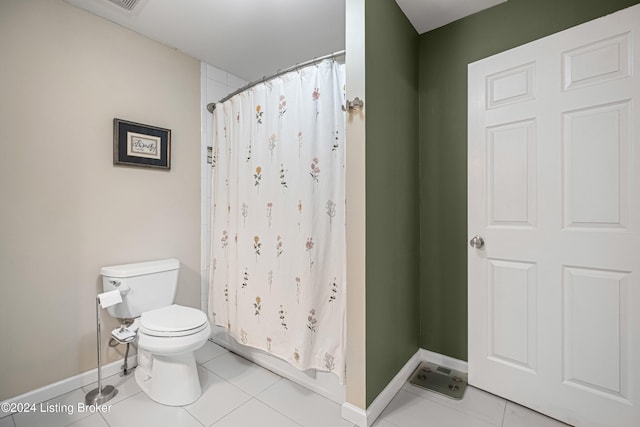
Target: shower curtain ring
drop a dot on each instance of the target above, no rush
(354, 105)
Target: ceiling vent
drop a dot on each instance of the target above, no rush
(127, 5)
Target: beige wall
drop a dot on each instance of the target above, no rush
(356, 213)
(65, 209)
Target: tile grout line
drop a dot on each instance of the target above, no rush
(104, 419)
(213, 358)
(264, 391)
(227, 382)
(269, 406)
(184, 408)
(259, 401)
(385, 420)
(472, 414)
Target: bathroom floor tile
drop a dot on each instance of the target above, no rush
(238, 393)
(383, 423)
(60, 411)
(141, 411)
(409, 410)
(519, 416)
(218, 399)
(475, 402)
(209, 351)
(94, 420)
(7, 421)
(127, 387)
(255, 413)
(303, 406)
(247, 376)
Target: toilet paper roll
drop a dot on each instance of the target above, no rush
(107, 299)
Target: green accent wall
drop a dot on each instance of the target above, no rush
(392, 222)
(443, 57)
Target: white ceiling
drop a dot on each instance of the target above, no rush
(254, 38)
(427, 15)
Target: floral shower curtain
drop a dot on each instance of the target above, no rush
(278, 218)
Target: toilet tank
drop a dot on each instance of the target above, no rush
(144, 286)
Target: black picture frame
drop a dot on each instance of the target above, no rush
(136, 144)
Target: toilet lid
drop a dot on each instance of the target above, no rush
(174, 318)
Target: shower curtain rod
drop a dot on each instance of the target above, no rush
(212, 106)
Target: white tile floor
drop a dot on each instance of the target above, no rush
(237, 393)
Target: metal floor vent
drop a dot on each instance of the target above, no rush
(127, 5)
(439, 379)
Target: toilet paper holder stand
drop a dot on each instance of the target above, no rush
(101, 395)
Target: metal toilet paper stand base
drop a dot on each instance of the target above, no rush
(100, 395)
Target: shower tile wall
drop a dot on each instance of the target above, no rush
(216, 84)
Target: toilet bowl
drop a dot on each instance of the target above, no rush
(168, 334)
(167, 339)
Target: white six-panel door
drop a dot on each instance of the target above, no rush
(554, 195)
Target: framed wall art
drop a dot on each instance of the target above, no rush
(135, 144)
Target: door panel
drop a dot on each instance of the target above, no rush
(553, 189)
(512, 313)
(595, 167)
(597, 62)
(512, 180)
(595, 347)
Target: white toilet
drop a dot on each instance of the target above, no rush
(168, 333)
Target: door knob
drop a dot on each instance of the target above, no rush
(477, 242)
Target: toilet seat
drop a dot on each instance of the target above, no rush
(173, 321)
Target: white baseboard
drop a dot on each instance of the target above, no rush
(366, 418)
(363, 418)
(442, 360)
(66, 385)
(351, 413)
(354, 414)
